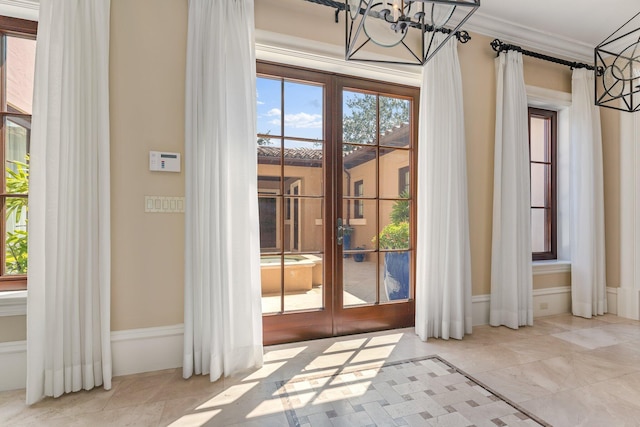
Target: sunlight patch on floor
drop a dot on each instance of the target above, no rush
(265, 371)
(197, 419)
(228, 396)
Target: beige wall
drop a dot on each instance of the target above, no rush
(147, 72)
(552, 280)
(611, 159)
(148, 49)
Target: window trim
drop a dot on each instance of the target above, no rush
(13, 303)
(358, 205)
(403, 174)
(552, 189)
(17, 28)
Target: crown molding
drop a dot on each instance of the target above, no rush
(23, 9)
(530, 38)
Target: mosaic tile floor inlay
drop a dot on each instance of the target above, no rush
(421, 391)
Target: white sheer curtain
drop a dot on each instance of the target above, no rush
(223, 323)
(443, 265)
(588, 278)
(68, 319)
(511, 277)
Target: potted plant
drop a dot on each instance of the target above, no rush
(359, 257)
(396, 264)
(347, 231)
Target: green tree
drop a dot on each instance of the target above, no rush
(17, 182)
(265, 140)
(400, 210)
(359, 125)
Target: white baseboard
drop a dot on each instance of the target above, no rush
(132, 351)
(13, 365)
(480, 309)
(546, 302)
(628, 302)
(612, 300)
(148, 349)
(551, 301)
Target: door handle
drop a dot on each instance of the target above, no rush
(339, 231)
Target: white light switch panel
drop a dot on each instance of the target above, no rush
(163, 204)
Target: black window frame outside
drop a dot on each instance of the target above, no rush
(552, 186)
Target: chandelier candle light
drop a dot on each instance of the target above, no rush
(402, 31)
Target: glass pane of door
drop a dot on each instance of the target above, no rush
(376, 166)
(291, 193)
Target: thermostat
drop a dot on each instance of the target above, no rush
(164, 162)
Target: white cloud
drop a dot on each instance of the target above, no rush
(303, 121)
(300, 120)
(260, 103)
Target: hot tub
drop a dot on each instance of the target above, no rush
(298, 273)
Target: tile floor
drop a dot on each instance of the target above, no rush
(566, 371)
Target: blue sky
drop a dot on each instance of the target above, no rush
(302, 108)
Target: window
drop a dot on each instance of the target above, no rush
(403, 180)
(17, 50)
(543, 148)
(358, 205)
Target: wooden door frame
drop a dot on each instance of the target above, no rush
(311, 324)
(389, 315)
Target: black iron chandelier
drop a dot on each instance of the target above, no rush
(619, 56)
(402, 31)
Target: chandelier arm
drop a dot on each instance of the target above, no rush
(499, 46)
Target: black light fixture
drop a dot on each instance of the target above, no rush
(402, 31)
(619, 56)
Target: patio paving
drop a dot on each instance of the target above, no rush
(359, 289)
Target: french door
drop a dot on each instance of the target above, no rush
(335, 174)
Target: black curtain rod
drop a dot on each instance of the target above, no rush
(499, 46)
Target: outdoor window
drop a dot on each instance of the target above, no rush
(358, 205)
(403, 180)
(542, 145)
(17, 50)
